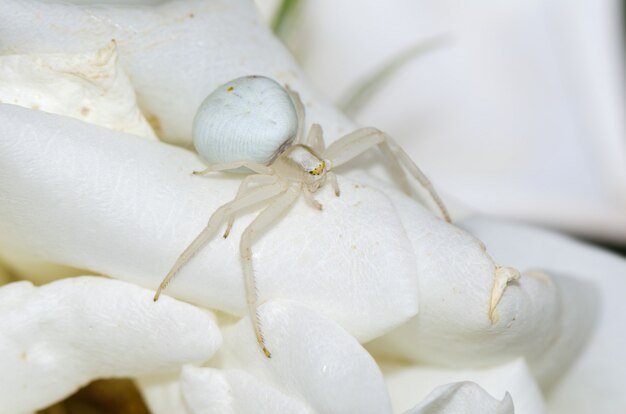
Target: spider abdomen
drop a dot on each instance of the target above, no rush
(250, 118)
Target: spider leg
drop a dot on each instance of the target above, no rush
(257, 168)
(357, 142)
(253, 197)
(315, 139)
(333, 181)
(297, 102)
(243, 189)
(308, 197)
(408, 163)
(280, 204)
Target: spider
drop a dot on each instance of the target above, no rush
(300, 168)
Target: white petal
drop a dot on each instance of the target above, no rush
(595, 382)
(312, 359)
(127, 207)
(208, 390)
(456, 277)
(60, 336)
(91, 87)
(463, 398)
(580, 308)
(408, 384)
(175, 53)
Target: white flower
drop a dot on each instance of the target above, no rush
(374, 264)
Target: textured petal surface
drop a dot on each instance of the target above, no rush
(313, 359)
(60, 336)
(127, 207)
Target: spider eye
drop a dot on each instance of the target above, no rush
(317, 170)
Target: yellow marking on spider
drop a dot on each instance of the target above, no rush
(230, 88)
(318, 170)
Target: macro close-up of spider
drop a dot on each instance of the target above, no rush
(299, 165)
(226, 206)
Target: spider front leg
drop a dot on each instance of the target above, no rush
(333, 182)
(315, 139)
(297, 103)
(359, 141)
(251, 198)
(308, 197)
(279, 205)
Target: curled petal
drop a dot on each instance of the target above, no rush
(313, 359)
(459, 323)
(58, 337)
(595, 382)
(463, 398)
(408, 384)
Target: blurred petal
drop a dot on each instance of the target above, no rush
(463, 398)
(595, 381)
(127, 207)
(60, 336)
(208, 390)
(312, 359)
(408, 384)
(23, 265)
(580, 306)
(175, 53)
(4, 275)
(521, 114)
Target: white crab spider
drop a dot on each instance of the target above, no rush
(291, 166)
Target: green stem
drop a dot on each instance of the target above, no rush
(283, 17)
